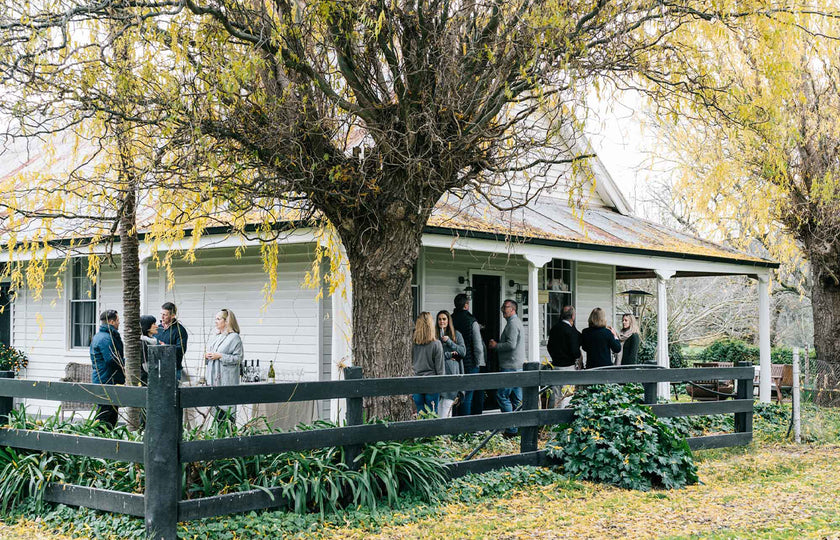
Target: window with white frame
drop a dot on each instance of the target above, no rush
(557, 282)
(82, 304)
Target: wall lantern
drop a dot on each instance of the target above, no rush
(636, 299)
(468, 289)
(521, 295)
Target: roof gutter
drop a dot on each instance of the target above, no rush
(483, 235)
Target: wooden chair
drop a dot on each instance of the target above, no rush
(76, 372)
(711, 390)
(781, 379)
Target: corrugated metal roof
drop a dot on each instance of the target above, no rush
(550, 218)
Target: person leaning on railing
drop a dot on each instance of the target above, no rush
(106, 358)
(427, 359)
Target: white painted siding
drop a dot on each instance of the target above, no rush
(442, 267)
(286, 330)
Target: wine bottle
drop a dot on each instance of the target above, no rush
(271, 375)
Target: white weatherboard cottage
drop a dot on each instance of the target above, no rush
(544, 255)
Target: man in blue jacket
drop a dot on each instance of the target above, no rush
(172, 332)
(106, 358)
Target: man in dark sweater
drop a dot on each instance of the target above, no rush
(172, 332)
(466, 323)
(564, 349)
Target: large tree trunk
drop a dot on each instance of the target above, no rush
(381, 265)
(825, 302)
(130, 273)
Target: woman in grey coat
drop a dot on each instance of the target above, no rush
(454, 351)
(223, 357)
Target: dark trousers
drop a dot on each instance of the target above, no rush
(466, 407)
(107, 415)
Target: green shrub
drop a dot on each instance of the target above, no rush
(616, 439)
(647, 348)
(729, 350)
(314, 480)
(473, 487)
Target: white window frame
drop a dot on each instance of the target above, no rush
(571, 293)
(71, 302)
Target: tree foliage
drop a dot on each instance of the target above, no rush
(363, 114)
(760, 144)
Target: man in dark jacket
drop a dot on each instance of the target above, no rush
(106, 358)
(466, 323)
(172, 332)
(564, 349)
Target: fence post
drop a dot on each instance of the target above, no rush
(796, 410)
(6, 403)
(354, 417)
(161, 446)
(651, 395)
(530, 402)
(744, 420)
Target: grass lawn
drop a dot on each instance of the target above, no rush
(769, 491)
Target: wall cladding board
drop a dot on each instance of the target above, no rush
(284, 330)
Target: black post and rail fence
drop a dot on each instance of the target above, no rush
(163, 451)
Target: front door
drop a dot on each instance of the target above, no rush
(485, 306)
(5, 315)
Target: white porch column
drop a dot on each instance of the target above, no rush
(342, 333)
(764, 337)
(535, 262)
(145, 255)
(662, 276)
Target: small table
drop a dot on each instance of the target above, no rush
(283, 416)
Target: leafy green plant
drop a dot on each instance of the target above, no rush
(314, 480)
(12, 359)
(472, 488)
(616, 439)
(729, 350)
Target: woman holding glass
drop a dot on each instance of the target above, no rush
(223, 356)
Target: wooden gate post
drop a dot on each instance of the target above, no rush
(744, 420)
(354, 417)
(651, 396)
(530, 402)
(6, 403)
(161, 446)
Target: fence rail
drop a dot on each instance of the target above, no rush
(163, 451)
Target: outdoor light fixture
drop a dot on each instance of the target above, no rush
(521, 295)
(468, 289)
(636, 299)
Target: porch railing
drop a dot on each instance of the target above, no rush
(163, 451)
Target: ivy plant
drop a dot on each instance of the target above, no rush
(616, 439)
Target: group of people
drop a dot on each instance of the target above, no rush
(601, 343)
(223, 354)
(452, 344)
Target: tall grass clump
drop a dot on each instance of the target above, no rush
(314, 480)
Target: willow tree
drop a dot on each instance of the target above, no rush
(760, 152)
(366, 113)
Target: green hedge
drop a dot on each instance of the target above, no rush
(734, 350)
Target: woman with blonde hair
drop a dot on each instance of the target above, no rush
(223, 356)
(630, 340)
(427, 359)
(598, 340)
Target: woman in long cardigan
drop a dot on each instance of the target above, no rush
(224, 355)
(454, 350)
